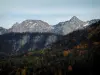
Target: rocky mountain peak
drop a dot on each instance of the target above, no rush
(69, 26)
(31, 26)
(15, 24)
(74, 19)
(3, 30)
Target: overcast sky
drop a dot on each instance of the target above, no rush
(51, 11)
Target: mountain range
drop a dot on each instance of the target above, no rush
(37, 34)
(61, 28)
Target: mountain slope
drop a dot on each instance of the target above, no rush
(22, 42)
(82, 47)
(78, 36)
(68, 26)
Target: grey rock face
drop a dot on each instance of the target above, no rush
(23, 42)
(51, 39)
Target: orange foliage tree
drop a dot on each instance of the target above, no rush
(65, 53)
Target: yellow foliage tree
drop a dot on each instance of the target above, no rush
(65, 53)
(23, 72)
(78, 46)
(96, 43)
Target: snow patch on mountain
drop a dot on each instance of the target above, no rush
(86, 24)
